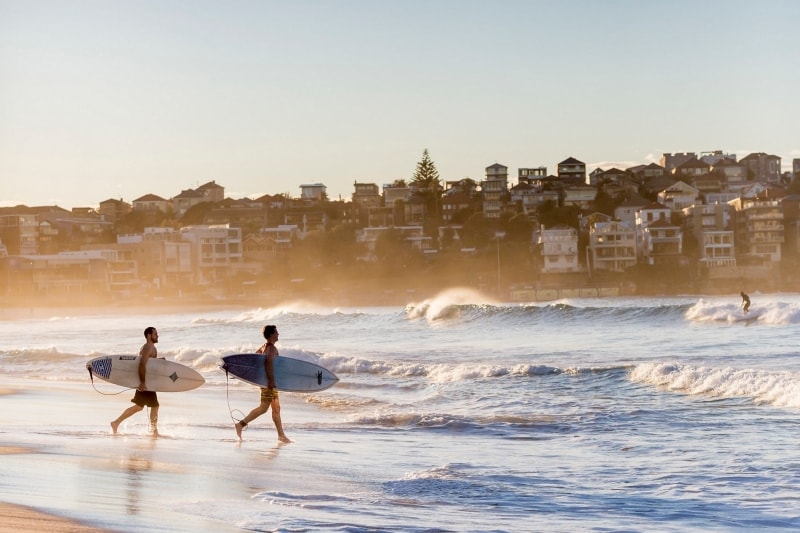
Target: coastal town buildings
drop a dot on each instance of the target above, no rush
(698, 218)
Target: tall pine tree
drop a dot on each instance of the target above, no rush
(426, 176)
(425, 183)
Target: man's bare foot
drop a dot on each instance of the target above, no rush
(284, 439)
(238, 427)
(114, 427)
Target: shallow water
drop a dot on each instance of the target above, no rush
(454, 414)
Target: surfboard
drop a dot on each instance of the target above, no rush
(291, 375)
(161, 375)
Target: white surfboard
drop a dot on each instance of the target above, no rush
(161, 375)
(291, 375)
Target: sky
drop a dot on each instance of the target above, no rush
(118, 99)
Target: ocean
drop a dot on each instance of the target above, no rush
(451, 414)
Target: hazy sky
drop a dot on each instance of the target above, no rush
(117, 99)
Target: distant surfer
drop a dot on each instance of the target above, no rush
(269, 395)
(745, 302)
(143, 397)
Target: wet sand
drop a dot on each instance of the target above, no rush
(15, 518)
(64, 471)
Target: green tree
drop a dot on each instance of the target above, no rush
(426, 185)
(477, 232)
(518, 229)
(551, 215)
(426, 176)
(794, 186)
(136, 221)
(391, 250)
(196, 214)
(604, 203)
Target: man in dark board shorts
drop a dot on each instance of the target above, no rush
(143, 397)
(745, 302)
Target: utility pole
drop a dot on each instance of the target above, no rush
(497, 236)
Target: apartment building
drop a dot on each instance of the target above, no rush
(215, 249)
(762, 167)
(65, 275)
(313, 191)
(710, 225)
(612, 246)
(758, 229)
(572, 172)
(18, 232)
(559, 249)
(659, 241)
(662, 244)
(494, 190)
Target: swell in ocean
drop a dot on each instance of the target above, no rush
(432, 342)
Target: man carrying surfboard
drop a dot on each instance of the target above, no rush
(269, 395)
(143, 397)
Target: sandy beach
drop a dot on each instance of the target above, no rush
(16, 518)
(63, 471)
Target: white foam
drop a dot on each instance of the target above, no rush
(766, 312)
(443, 304)
(778, 388)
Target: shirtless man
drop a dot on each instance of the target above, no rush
(269, 395)
(143, 397)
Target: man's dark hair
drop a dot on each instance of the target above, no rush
(269, 330)
(148, 331)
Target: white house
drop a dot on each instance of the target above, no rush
(559, 248)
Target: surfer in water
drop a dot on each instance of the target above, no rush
(143, 397)
(745, 302)
(269, 395)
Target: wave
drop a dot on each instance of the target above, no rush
(52, 364)
(551, 312)
(455, 307)
(472, 424)
(433, 372)
(282, 312)
(770, 313)
(777, 388)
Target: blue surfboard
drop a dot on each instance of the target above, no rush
(291, 375)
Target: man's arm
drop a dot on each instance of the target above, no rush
(142, 370)
(268, 363)
(144, 355)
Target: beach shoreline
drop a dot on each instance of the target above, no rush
(64, 471)
(18, 518)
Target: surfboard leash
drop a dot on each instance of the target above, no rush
(91, 378)
(228, 399)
